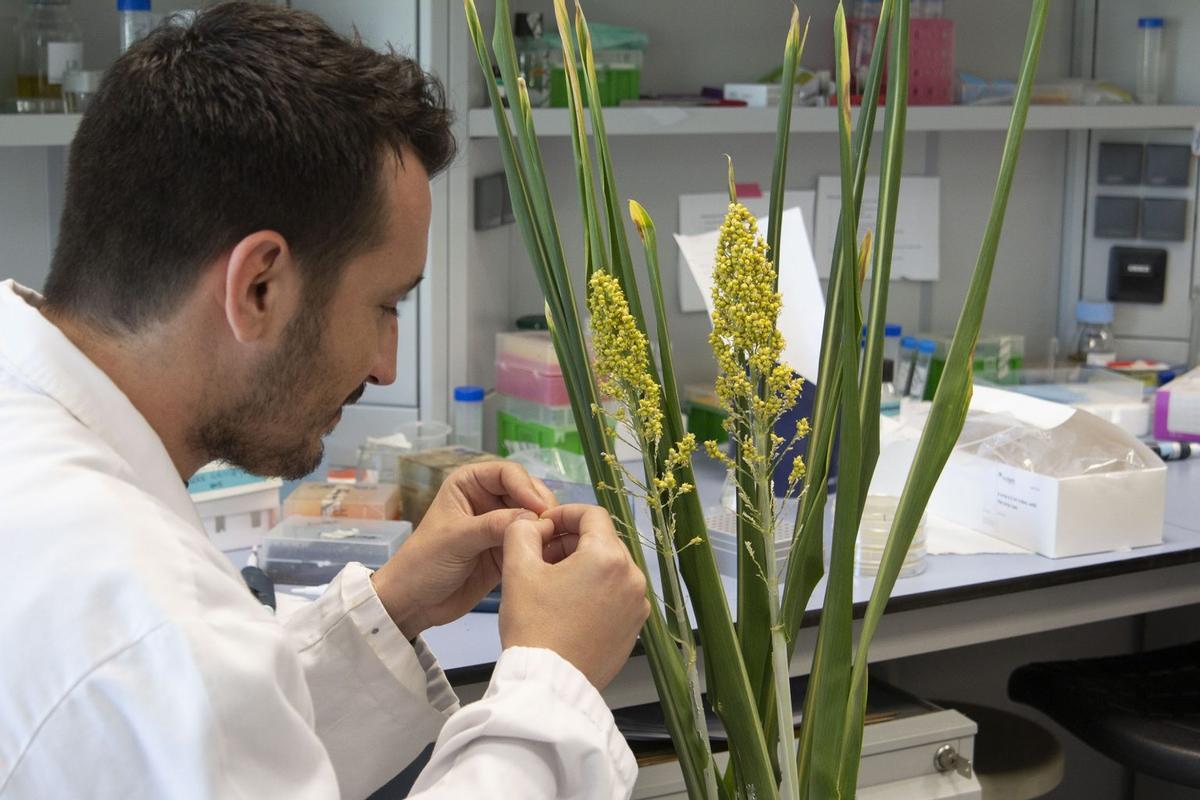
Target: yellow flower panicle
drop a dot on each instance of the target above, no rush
(745, 339)
(622, 356)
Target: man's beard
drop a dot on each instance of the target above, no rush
(275, 427)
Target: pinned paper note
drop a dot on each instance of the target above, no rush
(915, 253)
(803, 312)
(702, 213)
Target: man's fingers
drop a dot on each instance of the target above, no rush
(544, 491)
(507, 482)
(524, 540)
(487, 530)
(585, 520)
(560, 547)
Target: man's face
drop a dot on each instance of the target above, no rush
(333, 347)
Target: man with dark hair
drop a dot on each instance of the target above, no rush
(247, 201)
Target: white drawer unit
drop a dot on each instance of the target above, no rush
(902, 759)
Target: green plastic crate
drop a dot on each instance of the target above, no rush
(511, 428)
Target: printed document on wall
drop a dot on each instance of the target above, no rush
(702, 213)
(915, 254)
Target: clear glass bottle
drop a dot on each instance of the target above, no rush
(904, 366)
(1149, 83)
(920, 377)
(889, 398)
(533, 57)
(136, 21)
(1096, 345)
(49, 42)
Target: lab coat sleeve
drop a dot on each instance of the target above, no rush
(377, 700)
(541, 731)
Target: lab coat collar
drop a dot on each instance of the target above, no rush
(39, 354)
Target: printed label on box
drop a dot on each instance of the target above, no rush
(1183, 412)
(1022, 501)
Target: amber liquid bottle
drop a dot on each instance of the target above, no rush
(49, 43)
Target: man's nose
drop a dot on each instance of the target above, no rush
(383, 371)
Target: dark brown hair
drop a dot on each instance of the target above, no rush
(246, 118)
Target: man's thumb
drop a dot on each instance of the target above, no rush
(523, 540)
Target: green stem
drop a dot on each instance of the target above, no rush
(670, 575)
(789, 778)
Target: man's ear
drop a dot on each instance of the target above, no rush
(262, 286)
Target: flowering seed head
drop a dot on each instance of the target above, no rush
(622, 355)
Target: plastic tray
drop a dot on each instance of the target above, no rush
(528, 345)
(306, 551)
(530, 380)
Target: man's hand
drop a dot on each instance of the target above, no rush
(571, 586)
(454, 557)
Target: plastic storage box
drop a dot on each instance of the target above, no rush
(998, 360)
(305, 551)
(380, 501)
(422, 474)
(618, 76)
(523, 425)
(1107, 394)
(531, 380)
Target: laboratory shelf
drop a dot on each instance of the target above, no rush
(37, 130)
(685, 120)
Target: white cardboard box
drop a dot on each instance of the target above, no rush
(1058, 516)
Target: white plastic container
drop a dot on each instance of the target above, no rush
(467, 416)
(1149, 83)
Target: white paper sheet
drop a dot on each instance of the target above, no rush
(803, 311)
(915, 253)
(702, 213)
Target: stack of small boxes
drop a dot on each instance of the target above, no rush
(534, 407)
(328, 525)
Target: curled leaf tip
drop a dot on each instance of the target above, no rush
(732, 180)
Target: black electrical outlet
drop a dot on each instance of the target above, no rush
(1119, 164)
(1168, 164)
(1137, 274)
(1116, 217)
(1164, 219)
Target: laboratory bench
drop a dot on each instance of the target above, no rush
(958, 600)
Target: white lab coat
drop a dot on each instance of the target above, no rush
(134, 662)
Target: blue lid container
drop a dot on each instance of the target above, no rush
(468, 394)
(1094, 313)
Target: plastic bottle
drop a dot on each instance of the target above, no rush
(889, 398)
(467, 416)
(891, 341)
(925, 350)
(136, 21)
(49, 43)
(1149, 83)
(533, 58)
(904, 365)
(1096, 345)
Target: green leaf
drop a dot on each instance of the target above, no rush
(829, 680)
(950, 401)
(595, 251)
(894, 121)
